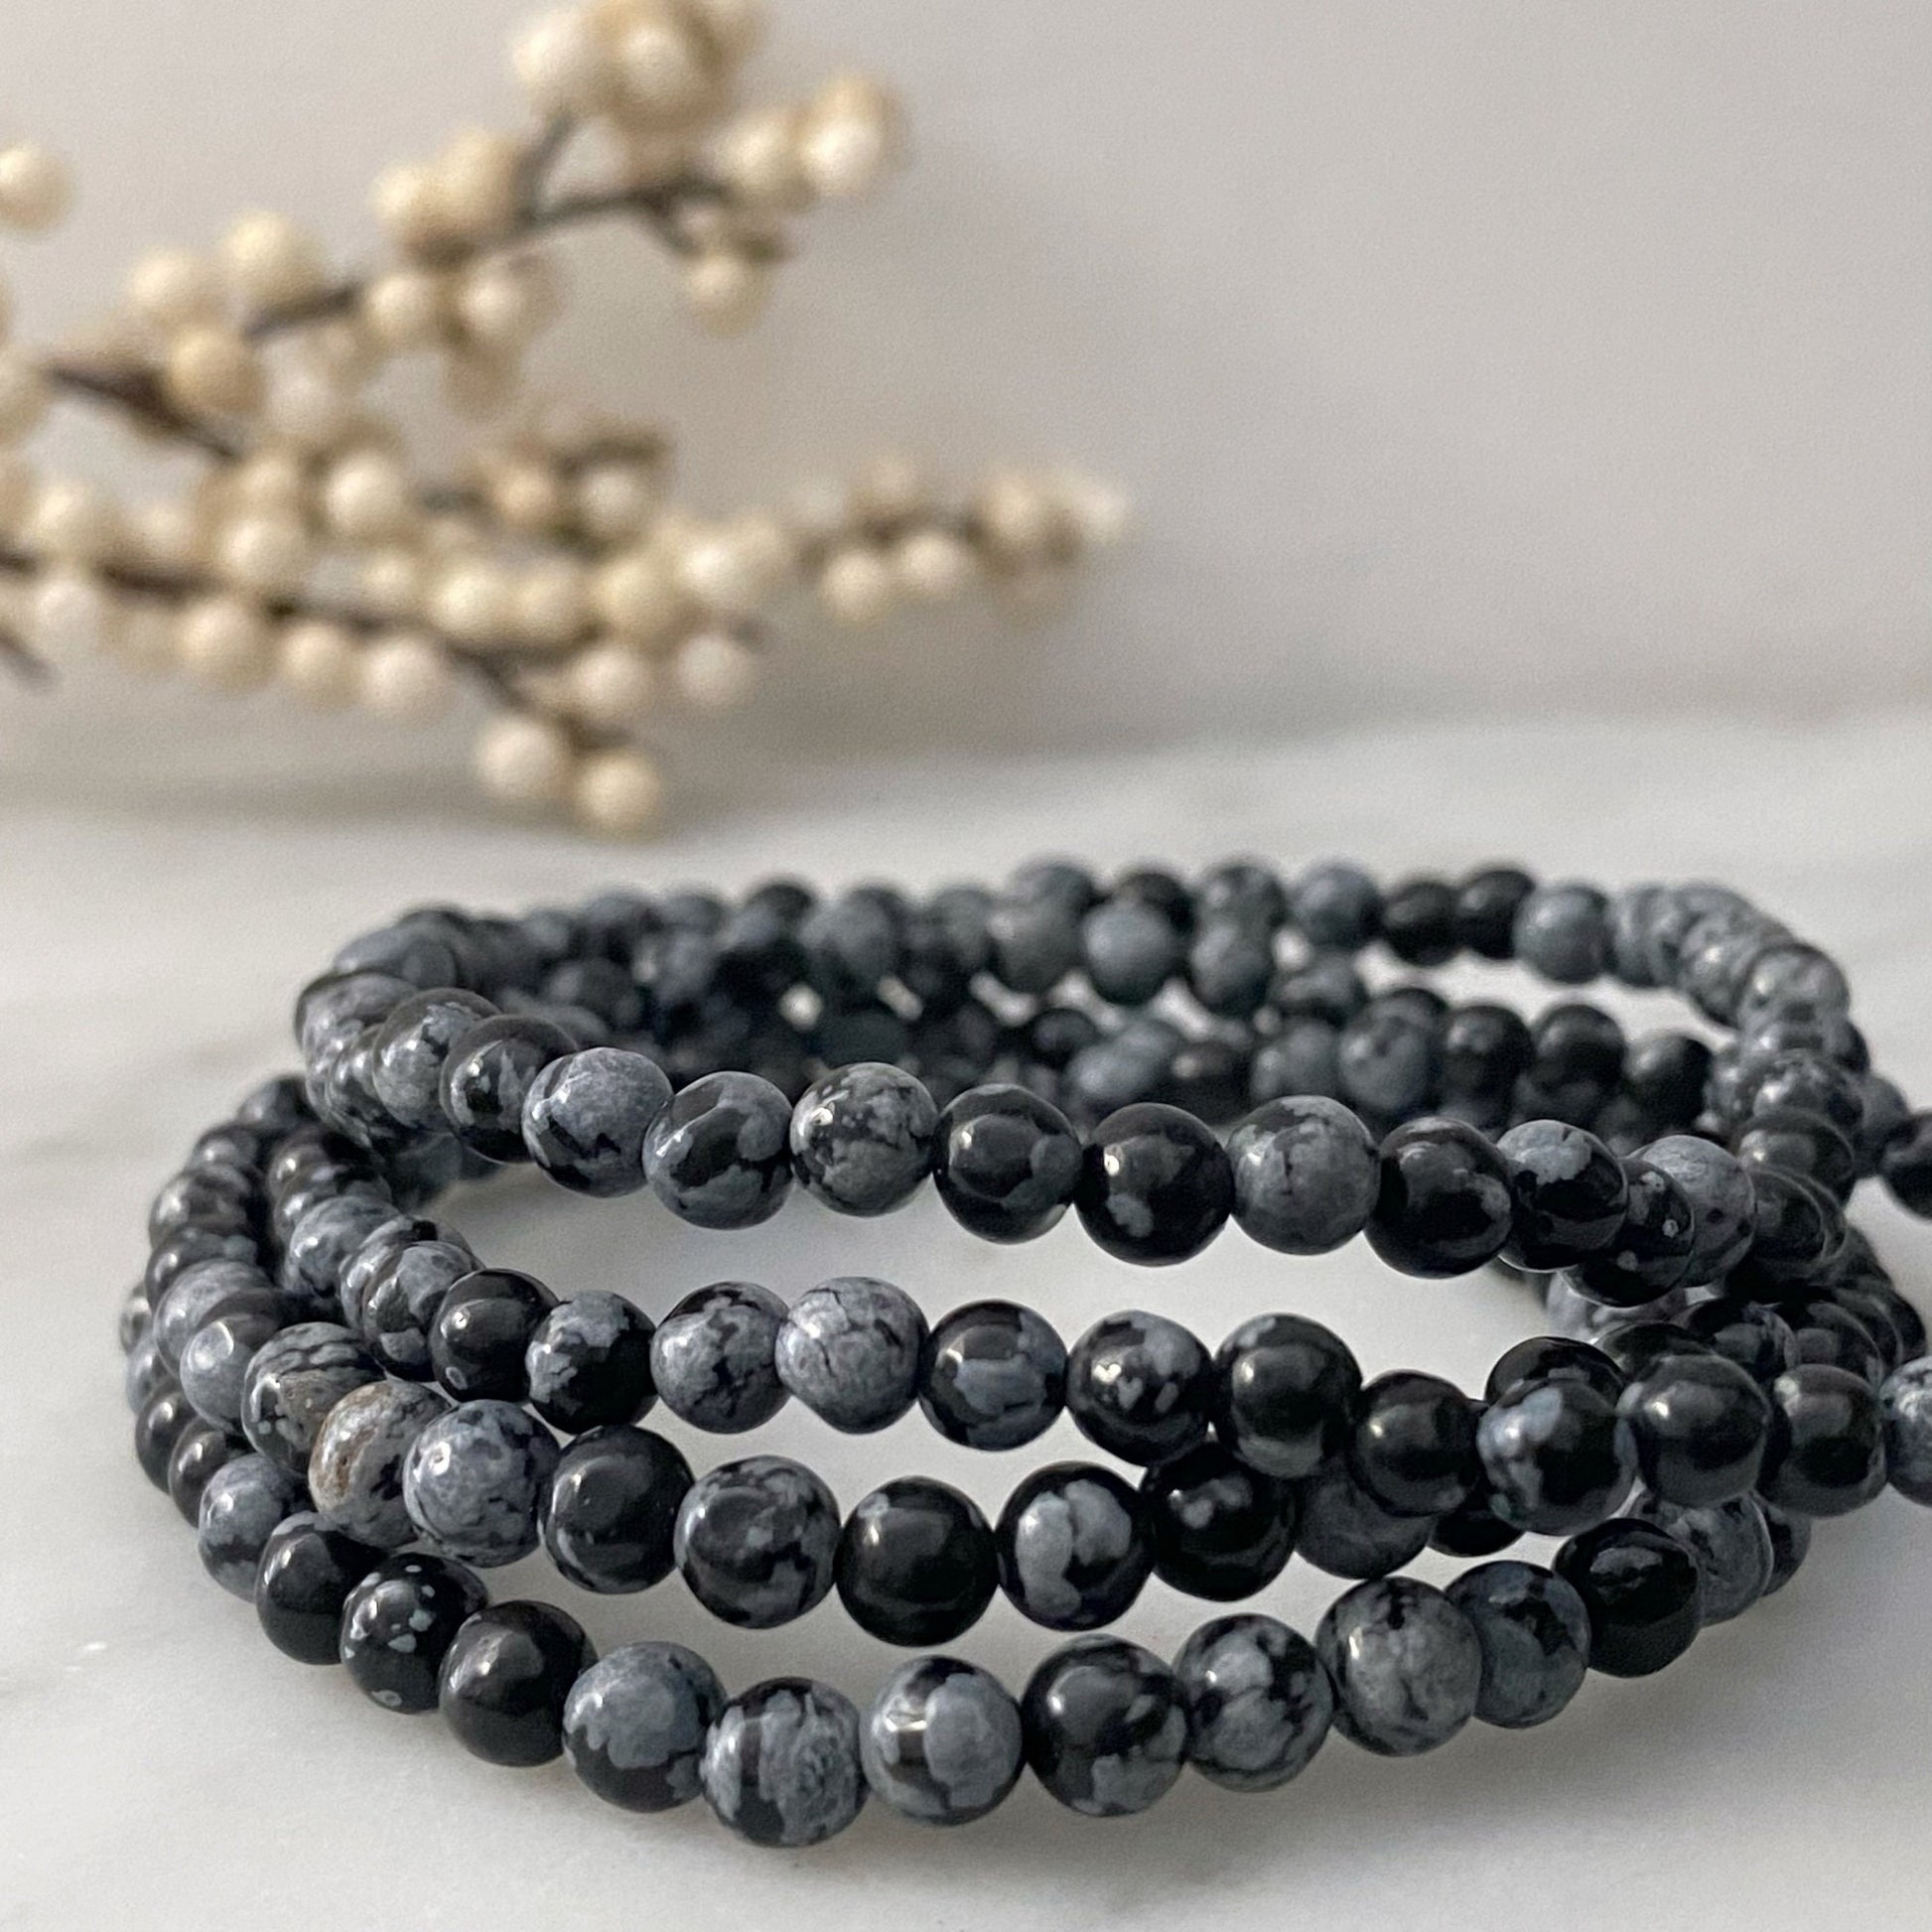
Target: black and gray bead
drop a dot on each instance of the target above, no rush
(1106, 1728)
(943, 1742)
(1732, 1542)
(475, 1479)
(862, 1138)
(399, 1624)
(635, 1725)
(755, 1541)
(610, 1515)
(1074, 1550)
(781, 1764)
(293, 1381)
(1534, 1634)
(1131, 948)
(402, 1298)
(849, 1350)
(200, 1292)
(714, 1357)
(1563, 931)
(487, 1077)
(586, 1116)
(1905, 1400)
(718, 1154)
(1347, 1533)
(1258, 1698)
(1406, 1663)
(355, 1470)
(1140, 1386)
(322, 1244)
(588, 1363)
(993, 1375)
(1305, 1174)
(241, 1505)
(411, 1045)
(215, 1364)
(1336, 907)
(1723, 1201)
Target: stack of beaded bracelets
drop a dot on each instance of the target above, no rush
(324, 1378)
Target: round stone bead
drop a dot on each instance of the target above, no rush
(714, 1357)
(588, 1363)
(993, 1375)
(1419, 922)
(1258, 1698)
(1443, 1206)
(292, 1383)
(1486, 904)
(1578, 1065)
(1756, 1339)
(1301, 1061)
(215, 1365)
(1336, 907)
(1345, 1532)
(1787, 975)
(399, 1624)
(1285, 1396)
(304, 1578)
(1406, 1664)
(1905, 1404)
(242, 1502)
(1790, 1543)
(1006, 1162)
(1139, 1386)
(1731, 1545)
(478, 1341)
(1326, 988)
(586, 1116)
(718, 1154)
(849, 1350)
(1651, 1250)
(1105, 1725)
(1220, 1530)
(1156, 1186)
(942, 1742)
(1641, 1592)
(158, 1427)
(755, 1541)
(1700, 1425)
(1826, 1453)
(487, 1077)
(1534, 1635)
(917, 1563)
(204, 1291)
(321, 1245)
(1474, 1529)
(504, 1679)
(179, 1252)
(145, 1374)
(609, 1514)
(474, 1479)
(200, 1450)
(636, 1724)
(862, 1140)
(781, 1763)
(1722, 1202)
(1905, 1163)
(1556, 1456)
(1554, 1358)
(404, 1295)
(1305, 1174)
(355, 1470)
(1414, 1446)
(1129, 949)
(1562, 932)
(413, 1043)
(1486, 1049)
(1821, 1331)
(1389, 1063)
(1571, 1193)
(1074, 1548)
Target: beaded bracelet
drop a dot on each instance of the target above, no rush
(1371, 1473)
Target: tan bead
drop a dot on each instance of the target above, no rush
(472, 602)
(475, 181)
(758, 156)
(408, 205)
(715, 671)
(524, 760)
(23, 396)
(735, 569)
(318, 661)
(405, 677)
(36, 189)
(211, 372)
(636, 596)
(564, 63)
(857, 584)
(409, 308)
(611, 684)
(367, 499)
(272, 262)
(506, 302)
(850, 138)
(173, 288)
(225, 643)
(618, 793)
(615, 501)
(272, 482)
(72, 520)
(528, 496)
(892, 488)
(726, 291)
(1021, 516)
(269, 555)
(663, 72)
(394, 583)
(344, 349)
(1099, 514)
(933, 565)
(309, 408)
(551, 604)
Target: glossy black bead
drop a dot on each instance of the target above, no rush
(1571, 1193)
(481, 1334)
(1905, 1162)
(1413, 1447)
(158, 1425)
(1284, 1394)
(1823, 1331)
(992, 1375)
(1554, 1358)
(1474, 1529)
(588, 1363)
(1874, 1305)
(1665, 1074)
(1579, 1064)
(1326, 988)
(398, 1623)
(1154, 1186)
(1106, 1726)
(1811, 1083)
(199, 1449)
(1556, 1458)
(1209, 1079)
(1006, 1162)
(1140, 1386)
(1345, 1532)
(1826, 1453)
(609, 1514)
(1485, 1051)
(1651, 1251)
(1701, 1425)
(1154, 885)
(504, 1679)
(304, 1580)
(1790, 1543)
(1636, 1347)
(1641, 1592)
(1757, 1338)
(1419, 922)
(1797, 1228)
(1445, 1205)
(917, 1563)
(488, 1074)
(1486, 904)
(1800, 1143)
(1221, 1530)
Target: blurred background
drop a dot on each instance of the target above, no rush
(1462, 356)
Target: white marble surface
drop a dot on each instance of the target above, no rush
(161, 1767)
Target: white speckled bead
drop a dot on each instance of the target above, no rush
(781, 1765)
(635, 1725)
(1406, 1664)
(942, 1742)
(755, 1541)
(474, 1479)
(849, 1349)
(862, 1138)
(713, 1358)
(1258, 1701)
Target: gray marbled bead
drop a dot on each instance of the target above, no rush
(713, 1361)
(942, 1742)
(1791, 974)
(215, 1364)
(1562, 932)
(781, 1765)
(1347, 1533)
(292, 1383)
(1388, 1063)
(586, 1116)
(636, 1724)
(1035, 941)
(755, 1541)
(849, 1350)
(994, 1376)
(403, 1295)
(1129, 949)
(1106, 1730)
(1336, 907)
(198, 1294)
(323, 1243)
(144, 1372)
(1718, 1188)
(474, 1479)
(1732, 1542)
(241, 1506)
(1258, 1701)
(1534, 1633)
(1305, 1174)
(862, 1138)
(1406, 1664)
(406, 1067)
(1305, 1058)
(1906, 1400)
(718, 1154)
(1628, 921)
(355, 1472)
